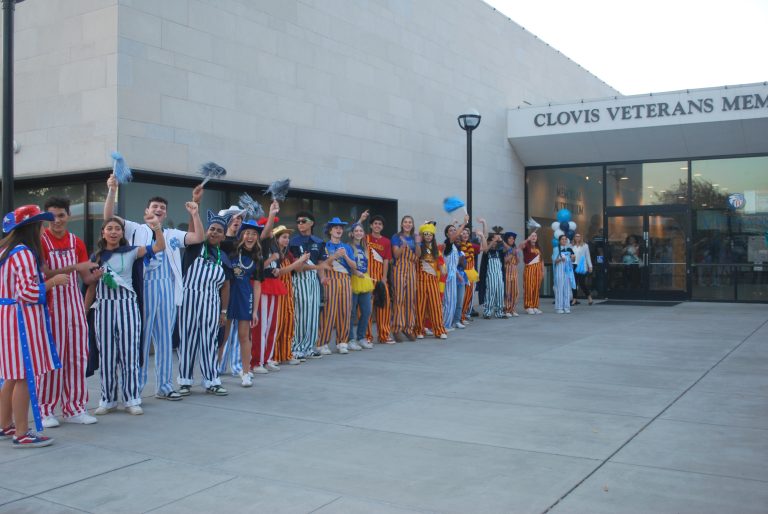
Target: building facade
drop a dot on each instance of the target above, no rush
(355, 102)
(671, 189)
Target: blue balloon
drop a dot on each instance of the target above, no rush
(570, 234)
(554, 242)
(564, 216)
(565, 227)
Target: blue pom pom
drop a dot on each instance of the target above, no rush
(279, 189)
(452, 203)
(211, 170)
(122, 171)
(564, 216)
(252, 208)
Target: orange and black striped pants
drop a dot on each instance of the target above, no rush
(469, 292)
(510, 288)
(404, 300)
(284, 336)
(429, 305)
(532, 277)
(337, 311)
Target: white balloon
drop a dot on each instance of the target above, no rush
(572, 225)
(559, 233)
(555, 225)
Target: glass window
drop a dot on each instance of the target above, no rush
(730, 212)
(650, 183)
(580, 190)
(37, 194)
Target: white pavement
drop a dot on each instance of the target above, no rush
(611, 409)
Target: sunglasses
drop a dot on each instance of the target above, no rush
(303, 220)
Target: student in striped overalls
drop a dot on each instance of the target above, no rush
(406, 251)
(492, 278)
(511, 287)
(379, 257)
(564, 282)
(207, 272)
(453, 296)
(26, 343)
(65, 253)
(428, 296)
(337, 310)
(533, 273)
(117, 317)
(229, 350)
(306, 286)
(286, 312)
(163, 285)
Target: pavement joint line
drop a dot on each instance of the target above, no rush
(233, 477)
(688, 471)
(688, 421)
(90, 477)
(631, 438)
(325, 504)
(34, 496)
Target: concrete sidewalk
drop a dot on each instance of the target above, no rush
(610, 409)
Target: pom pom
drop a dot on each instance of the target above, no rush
(252, 208)
(122, 171)
(533, 224)
(563, 215)
(278, 189)
(497, 229)
(211, 170)
(452, 203)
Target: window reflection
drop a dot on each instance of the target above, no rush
(653, 183)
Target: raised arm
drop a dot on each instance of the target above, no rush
(197, 197)
(109, 203)
(198, 234)
(274, 208)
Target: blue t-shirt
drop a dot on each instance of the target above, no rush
(398, 240)
(331, 248)
(360, 256)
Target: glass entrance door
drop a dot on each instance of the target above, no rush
(646, 253)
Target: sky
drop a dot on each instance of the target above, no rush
(653, 46)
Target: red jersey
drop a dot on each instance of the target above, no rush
(379, 250)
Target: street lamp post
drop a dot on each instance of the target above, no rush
(469, 122)
(9, 6)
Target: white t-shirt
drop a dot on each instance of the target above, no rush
(141, 235)
(582, 250)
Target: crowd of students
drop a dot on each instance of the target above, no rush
(245, 295)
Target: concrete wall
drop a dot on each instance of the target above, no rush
(339, 95)
(65, 85)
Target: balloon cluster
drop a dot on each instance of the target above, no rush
(563, 226)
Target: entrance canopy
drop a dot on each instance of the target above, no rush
(731, 120)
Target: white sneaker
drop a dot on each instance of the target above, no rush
(247, 381)
(443, 336)
(366, 344)
(450, 329)
(460, 325)
(100, 411)
(50, 422)
(271, 366)
(537, 311)
(428, 332)
(134, 410)
(343, 348)
(560, 311)
(419, 336)
(294, 362)
(324, 350)
(567, 311)
(81, 419)
(259, 370)
(514, 314)
(530, 311)
(354, 346)
(507, 314)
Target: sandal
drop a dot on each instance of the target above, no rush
(217, 390)
(185, 390)
(173, 396)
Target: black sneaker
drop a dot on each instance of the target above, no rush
(217, 390)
